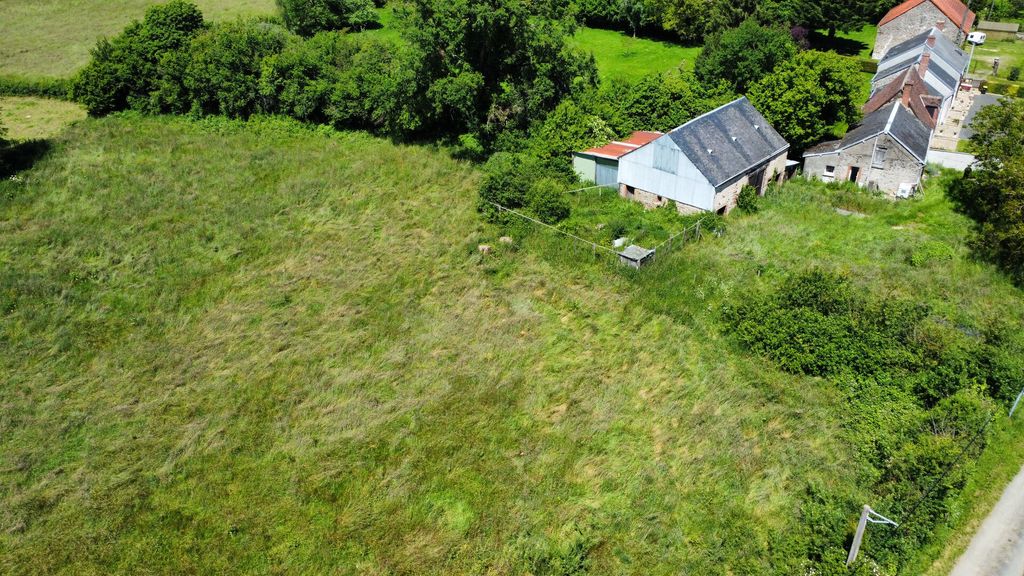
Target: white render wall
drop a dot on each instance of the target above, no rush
(687, 185)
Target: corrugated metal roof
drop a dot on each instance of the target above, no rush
(953, 9)
(616, 150)
(728, 141)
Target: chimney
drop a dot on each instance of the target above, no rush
(941, 25)
(931, 41)
(926, 59)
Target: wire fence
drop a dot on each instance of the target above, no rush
(689, 234)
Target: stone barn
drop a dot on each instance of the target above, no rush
(930, 56)
(908, 19)
(886, 151)
(703, 164)
(601, 165)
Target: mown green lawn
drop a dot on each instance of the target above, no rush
(256, 349)
(622, 57)
(27, 118)
(53, 37)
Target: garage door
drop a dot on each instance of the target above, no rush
(607, 174)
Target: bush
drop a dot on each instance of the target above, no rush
(308, 17)
(123, 71)
(1014, 74)
(508, 179)
(930, 252)
(223, 70)
(749, 200)
(742, 56)
(546, 200)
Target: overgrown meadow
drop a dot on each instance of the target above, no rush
(289, 356)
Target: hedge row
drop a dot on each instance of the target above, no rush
(59, 88)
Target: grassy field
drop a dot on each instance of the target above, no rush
(257, 349)
(622, 57)
(53, 37)
(29, 118)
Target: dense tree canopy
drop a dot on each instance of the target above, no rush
(495, 64)
(992, 193)
(307, 17)
(809, 94)
(743, 55)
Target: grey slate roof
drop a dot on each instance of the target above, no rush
(728, 141)
(895, 120)
(947, 61)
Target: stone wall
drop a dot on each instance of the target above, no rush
(914, 22)
(899, 166)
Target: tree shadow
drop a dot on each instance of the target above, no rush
(19, 156)
(843, 46)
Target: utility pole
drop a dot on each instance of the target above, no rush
(866, 515)
(963, 24)
(1016, 403)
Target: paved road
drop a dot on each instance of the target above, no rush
(998, 547)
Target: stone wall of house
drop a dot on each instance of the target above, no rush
(914, 22)
(899, 166)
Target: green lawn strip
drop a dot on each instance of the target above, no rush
(622, 57)
(52, 38)
(29, 118)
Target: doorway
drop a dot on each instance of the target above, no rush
(854, 174)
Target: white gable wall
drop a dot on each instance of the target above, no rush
(687, 185)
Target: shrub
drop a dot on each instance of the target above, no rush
(742, 56)
(748, 201)
(507, 181)
(1014, 74)
(308, 17)
(123, 71)
(546, 199)
(223, 72)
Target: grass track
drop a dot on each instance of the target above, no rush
(53, 37)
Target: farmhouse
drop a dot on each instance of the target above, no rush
(601, 165)
(905, 21)
(937, 61)
(886, 151)
(999, 30)
(703, 164)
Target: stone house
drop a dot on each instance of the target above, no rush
(938, 62)
(887, 151)
(911, 90)
(703, 164)
(600, 165)
(908, 19)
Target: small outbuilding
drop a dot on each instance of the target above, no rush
(887, 151)
(601, 165)
(952, 17)
(999, 30)
(703, 164)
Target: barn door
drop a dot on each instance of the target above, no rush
(607, 174)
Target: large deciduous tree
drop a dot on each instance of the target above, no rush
(808, 95)
(307, 17)
(743, 55)
(488, 65)
(992, 192)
